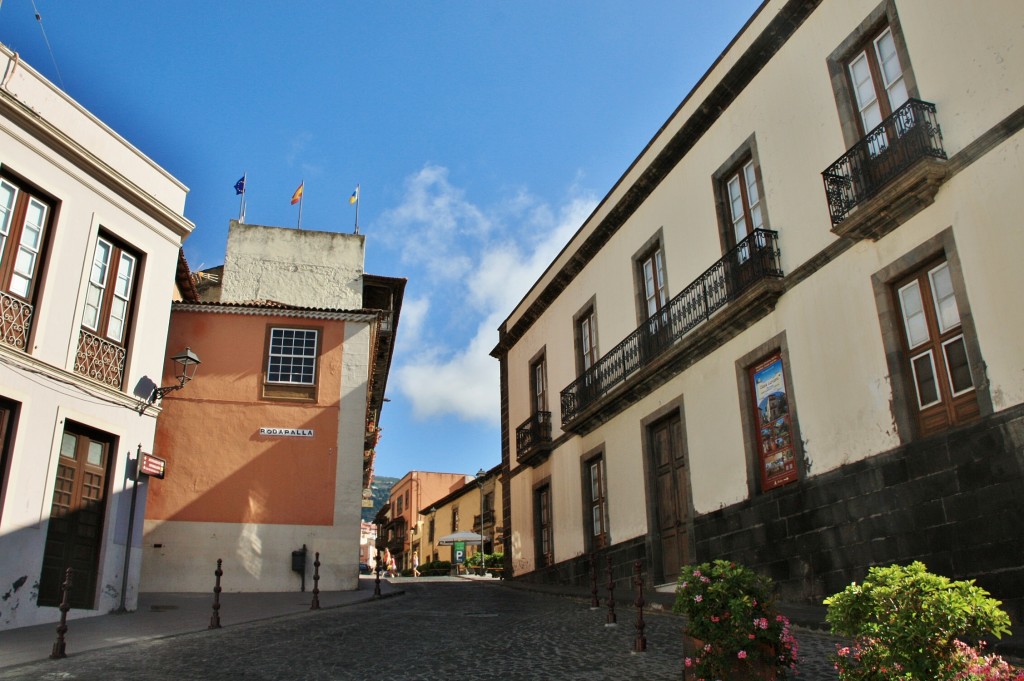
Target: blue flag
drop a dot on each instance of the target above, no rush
(240, 186)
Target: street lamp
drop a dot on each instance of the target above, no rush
(433, 512)
(480, 483)
(187, 364)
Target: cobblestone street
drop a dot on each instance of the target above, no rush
(435, 630)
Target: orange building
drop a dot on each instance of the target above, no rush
(416, 490)
(270, 452)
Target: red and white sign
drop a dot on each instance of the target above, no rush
(152, 466)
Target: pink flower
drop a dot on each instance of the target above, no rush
(688, 662)
(742, 654)
(698, 598)
(714, 618)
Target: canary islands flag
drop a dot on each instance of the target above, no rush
(297, 196)
(355, 195)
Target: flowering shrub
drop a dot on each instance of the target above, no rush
(729, 610)
(974, 666)
(905, 622)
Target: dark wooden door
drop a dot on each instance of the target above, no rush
(75, 531)
(666, 438)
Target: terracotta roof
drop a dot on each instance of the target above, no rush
(183, 278)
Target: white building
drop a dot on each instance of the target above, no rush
(790, 335)
(90, 232)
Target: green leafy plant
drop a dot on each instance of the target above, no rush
(905, 623)
(730, 613)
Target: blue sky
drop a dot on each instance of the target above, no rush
(481, 133)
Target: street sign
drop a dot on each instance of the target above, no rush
(459, 552)
(152, 466)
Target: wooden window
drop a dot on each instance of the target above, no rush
(596, 502)
(108, 299)
(544, 529)
(398, 510)
(936, 350)
(24, 222)
(291, 363)
(652, 276)
(876, 80)
(586, 339)
(872, 76)
(455, 519)
(539, 384)
(742, 193)
(106, 317)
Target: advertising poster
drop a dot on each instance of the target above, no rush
(774, 427)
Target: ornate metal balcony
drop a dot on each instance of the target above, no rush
(906, 145)
(15, 321)
(533, 438)
(751, 261)
(100, 360)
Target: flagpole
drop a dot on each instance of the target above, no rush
(301, 196)
(357, 209)
(241, 203)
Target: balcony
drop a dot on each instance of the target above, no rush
(100, 360)
(747, 280)
(15, 321)
(533, 439)
(887, 177)
(488, 521)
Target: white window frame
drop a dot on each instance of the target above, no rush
(301, 357)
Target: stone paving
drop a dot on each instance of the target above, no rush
(462, 630)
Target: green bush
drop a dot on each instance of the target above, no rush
(491, 560)
(905, 623)
(730, 613)
(435, 568)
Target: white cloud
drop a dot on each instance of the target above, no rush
(414, 313)
(472, 266)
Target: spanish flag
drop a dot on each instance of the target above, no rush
(297, 196)
(355, 195)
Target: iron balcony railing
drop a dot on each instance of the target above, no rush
(533, 436)
(15, 321)
(911, 133)
(753, 259)
(100, 359)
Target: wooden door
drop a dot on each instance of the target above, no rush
(75, 532)
(672, 502)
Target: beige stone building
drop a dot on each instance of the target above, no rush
(90, 237)
(790, 335)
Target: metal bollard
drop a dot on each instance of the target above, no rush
(316, 582)
(58, 651)
(610, 621)
(640, 645)
(215, 618)
(595, 602)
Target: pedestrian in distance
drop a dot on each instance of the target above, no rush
(415, 565)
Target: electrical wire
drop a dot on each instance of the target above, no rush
(39, 19)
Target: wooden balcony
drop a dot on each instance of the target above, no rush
(100, 360)
(735, 291)
(15, 321)
(533, 439)
(887, 177)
